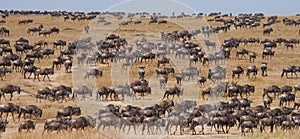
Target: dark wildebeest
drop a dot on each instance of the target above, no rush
(26, 125)
(242, 52)
(252, 56)
(238, 70)
(69, 111)
(251, 69)
(201, 80)
(268, 52)
(178, 78)
(8, 108)
(173, 91)
(290, 69)
(43, 71)
(267, 121)
(248, 124)
(140, 89)
(93, 72)
(104, 91)
(46, 92)
(60, 43)
(31, 109)
(271, 89)
(267, 31)
(263, 68)
(58, 126)
(9, 89)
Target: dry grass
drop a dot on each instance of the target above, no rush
(72, 30)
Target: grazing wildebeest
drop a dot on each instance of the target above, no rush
(8, 108)
(3, 125)
(69, 111)
(93, 72)
(140, 89)
(238, 70)
(27, 125)
(83, 91)
(173, 91)
(31, 109)
(264, 67)
(290, 69)
(252, 56)
(43, 71)
(251, 69)
(9, 89)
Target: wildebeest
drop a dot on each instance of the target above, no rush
(268, 52)
(290, 69)
(60, 43)
(173, 91)
(242, 52)
(9, 108)
(140, 89)
(251, 69)
(83, 90)
(271, 89)
(9, 89)
(46, 92)
(267, 31)
(27, 125)
(43, 71)
(263, 68)
(93, 72)
(238, 70)
(30, 109)
(69, 111)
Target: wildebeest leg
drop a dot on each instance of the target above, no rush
(175, 129)
(11, 95)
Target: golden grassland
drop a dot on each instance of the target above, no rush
(72, 30)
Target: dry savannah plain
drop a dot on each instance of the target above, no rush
(74, 30)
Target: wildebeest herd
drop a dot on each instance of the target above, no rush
(236, 111)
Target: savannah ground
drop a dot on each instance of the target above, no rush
(73, 30)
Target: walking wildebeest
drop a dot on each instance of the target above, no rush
(173, 91)
(93, 72)
(9, 89)
(69, 111)
(31, 109)
(8, 108)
